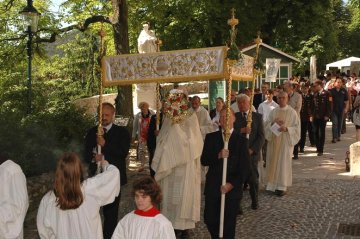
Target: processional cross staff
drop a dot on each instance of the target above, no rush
(232, 58)
(256, 71)
(100, 130)
(158, 43)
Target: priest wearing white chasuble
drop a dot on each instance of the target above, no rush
(14, 201)
(282, 131)
(177, 163)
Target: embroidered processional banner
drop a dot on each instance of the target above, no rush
(272, 69)
(166, 66)
(243, 70)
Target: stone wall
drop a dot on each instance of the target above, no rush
(37, 186)
(91, 103)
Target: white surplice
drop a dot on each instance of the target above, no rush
(133, 226)
(177, 166)
(14, 201)
(204, 120)
(280, 148)
(266, 107)
(84, 221)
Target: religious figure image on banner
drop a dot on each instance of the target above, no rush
(272, 69)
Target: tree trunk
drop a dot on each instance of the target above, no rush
(124, 101)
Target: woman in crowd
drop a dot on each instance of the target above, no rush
(215, 113)
(140, 132)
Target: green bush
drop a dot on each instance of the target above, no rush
(36, 141)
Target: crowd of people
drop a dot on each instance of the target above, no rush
(184, 150)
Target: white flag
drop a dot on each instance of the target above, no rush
(272, 68)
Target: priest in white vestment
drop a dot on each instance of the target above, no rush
(282, 131)
(177, 163)
(203, 117)
(83, 221)
(14, 200)
(206, 125)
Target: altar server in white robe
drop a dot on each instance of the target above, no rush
(72, 209)
(280, 148)
(177, 163)
(146, 221)
(14, 200)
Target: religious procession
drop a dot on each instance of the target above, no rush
(167, 143)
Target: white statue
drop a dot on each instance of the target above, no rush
(147, 40)
(146, 44)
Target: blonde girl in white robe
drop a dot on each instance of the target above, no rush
(14, 200)
(146, 221)
(72, 209)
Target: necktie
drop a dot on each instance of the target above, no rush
(244, 115)
(104, 130)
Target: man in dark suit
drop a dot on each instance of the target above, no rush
(261, 97)
(320, 112)
(237, 168)
(115, 146)
(256, 141)
(151, 140)
(305, 117)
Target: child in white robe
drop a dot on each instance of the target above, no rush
(146, 221)
(72, 209)
(14, 200)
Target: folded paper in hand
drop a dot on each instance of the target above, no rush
(275, 129)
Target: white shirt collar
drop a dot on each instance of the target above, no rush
(222, 130)
(108, 127)
(246, 112)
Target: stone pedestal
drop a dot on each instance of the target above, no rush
(355, 158)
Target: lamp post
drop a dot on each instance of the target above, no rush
(31, 18)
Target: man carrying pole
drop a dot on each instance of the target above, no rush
(238, 163)
(225, 179)
(110, 142)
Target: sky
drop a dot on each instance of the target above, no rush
(55, 5)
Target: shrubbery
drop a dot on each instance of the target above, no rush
(36, 141)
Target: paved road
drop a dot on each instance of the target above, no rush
(323, 196)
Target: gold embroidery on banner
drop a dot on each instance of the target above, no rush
(183, 65)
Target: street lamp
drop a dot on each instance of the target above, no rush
(31, 18)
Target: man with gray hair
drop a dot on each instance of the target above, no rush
(235, 106)
(256, 142)
(295, 101)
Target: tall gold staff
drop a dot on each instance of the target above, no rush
(158, 43)
(256, 71)
(100, 130)
(232, 58)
